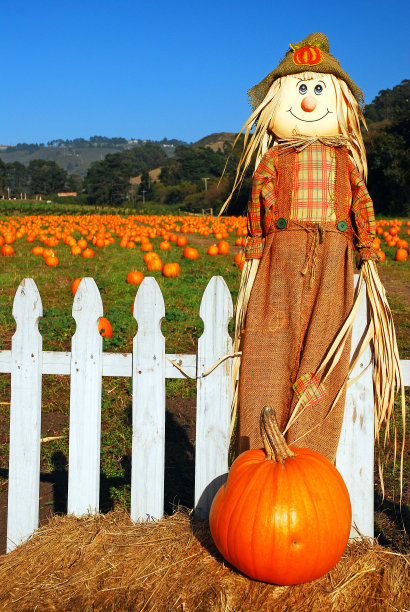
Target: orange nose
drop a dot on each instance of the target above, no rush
(309, 104)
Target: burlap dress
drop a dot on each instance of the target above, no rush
(302, 294)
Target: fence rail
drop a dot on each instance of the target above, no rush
(149, 366)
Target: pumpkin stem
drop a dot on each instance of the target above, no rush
(273, 440)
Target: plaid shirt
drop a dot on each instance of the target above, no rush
(313, 198)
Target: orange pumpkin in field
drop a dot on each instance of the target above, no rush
(171, 269)
(88, 253)
(401, 255)
(181, 240)
(150, 255)
(223, 247)
(75, 250)
(154, 264)
(75, 283)
(135, 277)
(7, 249)
(37, 250)
(52, 261)
(147, 246)
(381, 254)
(164, 245)
(213, 250)
(190, 253)
(105, 327)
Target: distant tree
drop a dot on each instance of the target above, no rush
(388, 150)
(389, 104)
(145, 187)
(46, 176)
(2, 176)
(17, 177)
(74, 182)
(108, 181)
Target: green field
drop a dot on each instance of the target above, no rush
(181, 329)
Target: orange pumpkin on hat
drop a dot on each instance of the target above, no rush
(308, 55)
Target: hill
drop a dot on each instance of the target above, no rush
(216, 141)
(76, 156)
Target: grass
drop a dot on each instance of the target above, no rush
(181, 327)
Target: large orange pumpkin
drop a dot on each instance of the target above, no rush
(284, 514)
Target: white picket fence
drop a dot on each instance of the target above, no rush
(149, 366)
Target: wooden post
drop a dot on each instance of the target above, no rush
(355, 453)
(25, 416)
(85, 402)
(213, 395)
(148, 405)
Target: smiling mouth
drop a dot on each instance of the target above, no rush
(309, 120)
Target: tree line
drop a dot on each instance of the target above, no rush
(192, 177)
(93, 141)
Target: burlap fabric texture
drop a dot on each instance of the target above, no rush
(291, 321)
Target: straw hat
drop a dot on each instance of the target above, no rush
(309, 55)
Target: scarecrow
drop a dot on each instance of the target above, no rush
(309, 209)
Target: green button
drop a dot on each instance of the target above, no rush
(281, 223)
(342, 226)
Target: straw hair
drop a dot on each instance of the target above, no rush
(387, 374)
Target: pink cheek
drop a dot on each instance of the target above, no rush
(308, 104)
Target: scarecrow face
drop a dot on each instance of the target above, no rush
(306, 108)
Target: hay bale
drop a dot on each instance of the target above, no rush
(106, 562)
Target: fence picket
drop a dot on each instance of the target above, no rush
(85, 402)
(148, 404)
(213, 395)
(355, 453)
(25, 416)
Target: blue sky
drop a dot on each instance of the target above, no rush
(173, 69)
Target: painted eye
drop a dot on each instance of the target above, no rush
(302, 89)
(318, 90)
